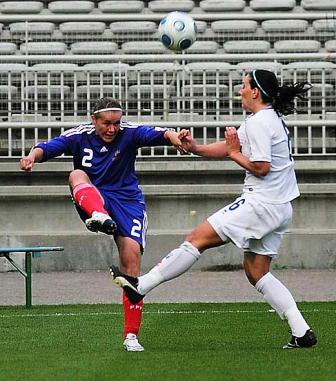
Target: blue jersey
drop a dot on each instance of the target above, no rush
(110, 166)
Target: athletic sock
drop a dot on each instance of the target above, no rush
(89, 199)
(279, 297)
(132, 315)
(172, 265)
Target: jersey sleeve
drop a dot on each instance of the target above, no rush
(55, 147)
(147, 136)
(259, 137)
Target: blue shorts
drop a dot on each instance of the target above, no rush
(129, 215)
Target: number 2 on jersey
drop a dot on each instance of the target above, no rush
(86, 160)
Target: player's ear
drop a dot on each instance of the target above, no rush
(93, 119)
(255, 92)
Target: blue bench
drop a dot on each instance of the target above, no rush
(30, 252)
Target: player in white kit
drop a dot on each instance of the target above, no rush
(257, 220)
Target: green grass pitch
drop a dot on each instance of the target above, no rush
(197, 341)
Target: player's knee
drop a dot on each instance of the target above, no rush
(77, 176)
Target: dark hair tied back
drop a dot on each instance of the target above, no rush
(284, 100)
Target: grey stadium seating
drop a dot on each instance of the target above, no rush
(93, 92)
(234, 26)
(310, 5)
(152, 72)
(330, 46)
(8, 48)
(40, 28)
(136, 28)
(248, 46)
(103, 73)
(278, 26)
(17, 7)
(51, 47)
(143, 47)
(82, 27)
(121, 6)
(170, 5)
(94, 47)
(222, 5)
(247, 66)
(297, 46)
(71, 6)
(272, 5)
(153, 92)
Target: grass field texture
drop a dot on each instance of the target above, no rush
(198, 341)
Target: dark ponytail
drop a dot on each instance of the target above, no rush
(281, 97)
(284, 101)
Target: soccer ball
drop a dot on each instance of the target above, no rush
(177, 31)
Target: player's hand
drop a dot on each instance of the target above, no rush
(26, 163)
(232, 140)
(188, 143)
(175, 140)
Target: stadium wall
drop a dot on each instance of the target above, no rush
(180, 194)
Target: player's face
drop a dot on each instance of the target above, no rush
(107, 125)
(247, 94)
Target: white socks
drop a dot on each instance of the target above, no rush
(172, 265)
(279, 297)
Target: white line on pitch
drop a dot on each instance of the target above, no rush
(65, 314)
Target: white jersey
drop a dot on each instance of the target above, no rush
(265, 137)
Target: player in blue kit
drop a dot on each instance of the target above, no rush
(105, 187)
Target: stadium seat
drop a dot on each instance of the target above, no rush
(272, 5)
(199, 91)
(43, 47)
(136, 28)
(43, 90)
(153, 72)
(56, 67)
(297, 46)
(210, 72)
(71, 6)
(103, 73)
(13, 67)
(204, 47)
(143, 47)
(201, 26)
(94, 92)
(113, 67)
(222, 5)
(154, 92)
(311, 71)
(121, 6)
(287, 26)
(330, 46)
(13, 73)
(40, 28)
(325, 25)
(82, 28)
(54, 73)
(310, 5)
(170, 5)
(7, 48)
(248, 66)
(248, 46)
(8, 91)
(234, 26)
(94, 47)
(16, 7)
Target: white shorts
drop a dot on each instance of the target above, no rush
(253, 225)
